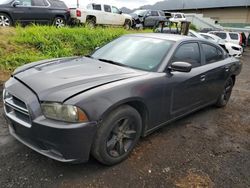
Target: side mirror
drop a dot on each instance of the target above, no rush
(16, 3)
(181, 67)
(120, 12)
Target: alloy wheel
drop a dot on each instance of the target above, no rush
(121, 138)
(4, 21)
(59, 23)
(227, 90)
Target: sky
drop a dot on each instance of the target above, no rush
(131, 4)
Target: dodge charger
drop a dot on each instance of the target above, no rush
(102, 104)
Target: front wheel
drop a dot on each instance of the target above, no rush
(127, 25)
(59, 22)
(117, 135)
(5, 20)
(226, 93)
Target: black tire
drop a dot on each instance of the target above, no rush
(226, 93)
(127, 25)
(91, 22)
(59, 22)
(5, 20)
(117, 136)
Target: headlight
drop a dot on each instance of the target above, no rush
(62, 112)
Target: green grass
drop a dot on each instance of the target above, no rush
(19, 45)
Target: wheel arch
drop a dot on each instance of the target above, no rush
(138, 104)
(8, 14)
(88, 17)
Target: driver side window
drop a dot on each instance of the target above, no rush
(26, 3)
(190, 53)
(115, 10)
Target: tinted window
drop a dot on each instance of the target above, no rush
(189, 53)
(25, 2)
(97, 7)
(221, 35)
(107, 8)
(178, 16)
(137, 52)
(154, 13)
(115, 10)
(41, 3)
(212, 53)
(234, 36)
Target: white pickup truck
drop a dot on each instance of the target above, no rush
(100, 14)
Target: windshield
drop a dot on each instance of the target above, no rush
(2, 2)
(136, 52)
(140, 12)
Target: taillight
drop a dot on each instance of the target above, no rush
(78, 13)
(240, 39)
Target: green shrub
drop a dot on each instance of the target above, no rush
(42, 42)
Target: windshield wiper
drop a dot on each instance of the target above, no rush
(112, 62)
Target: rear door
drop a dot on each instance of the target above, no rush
(108, 16)
(42, 12)
(216, 71)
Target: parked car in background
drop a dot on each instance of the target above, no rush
(33, 11)
(148, 18)
(234, 50)
(102, 104)
(232, 37)
(101, 14)
(177, 17)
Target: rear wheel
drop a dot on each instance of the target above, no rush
(117, 135)
(226, 94)
(91, 22)
(59, 22)
(5, 20)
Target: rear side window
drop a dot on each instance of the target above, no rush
(40, 3)
(234, 36)
(221, 35)
(107, 8)
(212, 53)
(154, 13)
(161, 13)
(189, 53)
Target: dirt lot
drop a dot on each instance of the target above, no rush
(210, 148)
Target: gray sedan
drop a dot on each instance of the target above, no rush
(101, 104)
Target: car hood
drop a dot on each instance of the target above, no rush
(59, 79)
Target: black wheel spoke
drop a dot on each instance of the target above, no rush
(111, 143)
(130, 134)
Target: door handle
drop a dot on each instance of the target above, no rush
(203, 78)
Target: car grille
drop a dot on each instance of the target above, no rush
(16, 110)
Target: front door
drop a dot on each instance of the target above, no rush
(118, 17)
(186, 91)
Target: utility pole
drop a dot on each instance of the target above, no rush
(77, 4)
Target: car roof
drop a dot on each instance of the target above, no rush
(164, 36)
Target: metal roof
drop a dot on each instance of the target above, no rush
(199, 4)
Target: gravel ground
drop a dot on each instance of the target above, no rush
(210, 148)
